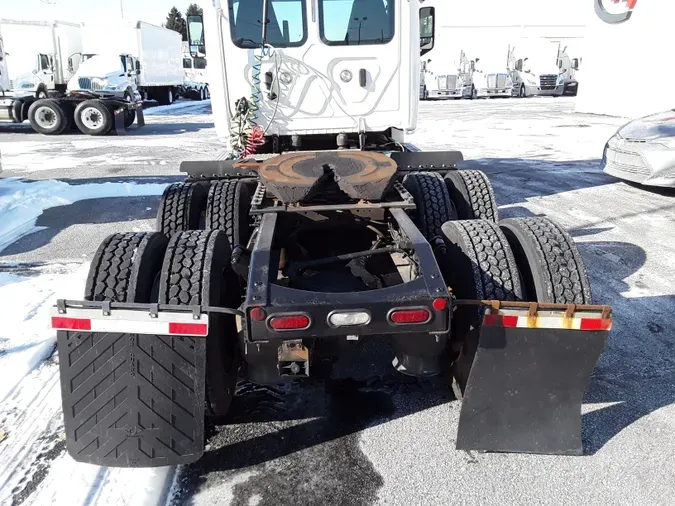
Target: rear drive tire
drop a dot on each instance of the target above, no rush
(181, 208)
(472, 194)
(550, 263)
(196, 271)
(434, 206)
(227, 209)
(93, 118)
(48, 117)
(126, 267)
(478, 265)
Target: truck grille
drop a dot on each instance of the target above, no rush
(548, 81)
(87, 84)
(496, 80)
(447, 82)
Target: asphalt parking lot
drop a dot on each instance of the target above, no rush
(370, 436)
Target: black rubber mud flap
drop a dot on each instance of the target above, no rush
(525, 390)
(132, 400)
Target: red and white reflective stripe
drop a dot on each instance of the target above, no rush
(547, 320)
(126, 321)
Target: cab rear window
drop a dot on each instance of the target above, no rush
(356, 22)
(286, 27)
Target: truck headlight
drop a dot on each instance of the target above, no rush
(561, 80)
(509, 82)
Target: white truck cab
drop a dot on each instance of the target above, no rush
(569, 61)
(490, 76)
(444, 78)
(535, 70)
(328, 67)
(107, 75)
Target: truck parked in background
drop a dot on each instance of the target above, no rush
(490, 76)
(534, 69)
(129, 58)
(39, 57)
(443, 78)
(195, 85)
(568, 64)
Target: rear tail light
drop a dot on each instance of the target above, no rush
(289, 322)
(349, 318)
(409, 316)
(258, 314)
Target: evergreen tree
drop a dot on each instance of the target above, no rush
(194, 10)
(176, 22)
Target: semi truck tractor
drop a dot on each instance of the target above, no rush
(534, 69)
(321, 230)
(490, 76)
(195, 78)
(569, 61)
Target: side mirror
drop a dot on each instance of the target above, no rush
(575, 63)
(427, 29)
(195, 26)
(519, 65)
(477, 60)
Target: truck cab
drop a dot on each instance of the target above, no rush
(107, 75)
(444, 78)
(535, 71)
(491, 77)
(568, 63)
(328, 68)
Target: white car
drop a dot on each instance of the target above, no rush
(643, 151)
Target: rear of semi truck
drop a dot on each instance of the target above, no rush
(276, 262)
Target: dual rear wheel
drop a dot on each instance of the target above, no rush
(482, 258)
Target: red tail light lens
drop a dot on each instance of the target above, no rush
(258, 314)
(289, 322)
(409, 316)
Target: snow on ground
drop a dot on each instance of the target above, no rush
(22, 202)
(34, 467)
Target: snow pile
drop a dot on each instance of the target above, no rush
(22, 202)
